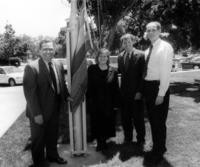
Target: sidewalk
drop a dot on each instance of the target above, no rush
(12, 106)
(90, 158)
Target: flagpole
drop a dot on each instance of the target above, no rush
(76, 119)
(68, 48)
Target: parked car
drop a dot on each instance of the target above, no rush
(11, 75)
(194, 63)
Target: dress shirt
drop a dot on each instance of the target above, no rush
(160, 64)
(56, 75)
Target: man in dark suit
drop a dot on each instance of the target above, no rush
(130, 66)
(45, 92)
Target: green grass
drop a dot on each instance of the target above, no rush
(12, 144)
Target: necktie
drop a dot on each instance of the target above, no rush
(53, 77)
(126, 61)
(147, 61)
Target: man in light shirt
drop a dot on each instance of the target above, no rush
(156, 76)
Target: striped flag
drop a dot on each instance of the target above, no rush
(79, 63)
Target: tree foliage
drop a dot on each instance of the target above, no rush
(7, 42)
(61, 43)
(16, 46)
(178, 17)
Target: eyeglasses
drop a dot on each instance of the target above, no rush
(103, 56)
(48, 50)
(151, 30)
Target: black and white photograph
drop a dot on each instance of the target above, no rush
(100, 83)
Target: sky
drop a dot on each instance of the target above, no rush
(34, 17)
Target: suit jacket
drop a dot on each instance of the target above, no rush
(131, 77)
(39, 91)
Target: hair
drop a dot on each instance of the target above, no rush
(128, 36)
(103, 51)
(43, 42)
(158, 25)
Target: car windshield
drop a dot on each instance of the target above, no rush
(9, 70)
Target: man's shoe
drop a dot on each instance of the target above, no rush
(157, 159)
(58, 160)
(140, 146)
(149, 155)
(140, 143)
(28, 145)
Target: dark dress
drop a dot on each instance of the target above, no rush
(102, 97)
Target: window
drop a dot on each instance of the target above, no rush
(2, 71)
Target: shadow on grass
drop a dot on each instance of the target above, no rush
(126, 151)
(163, 163)
(185, 89)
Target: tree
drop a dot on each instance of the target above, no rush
(61, 43)
(16, 46)
(178, 17)
(7, 42)
(111, 12)
(26, 45)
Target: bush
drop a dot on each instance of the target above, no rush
(14, 61)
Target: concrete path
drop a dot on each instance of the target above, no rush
(90, 158)
(12, 104)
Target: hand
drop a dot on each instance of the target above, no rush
(138, 96)
(136, 51)
(69, 99)
(39, 119)
(159, 100)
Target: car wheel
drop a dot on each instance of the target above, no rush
(196, 67)
(11, 82)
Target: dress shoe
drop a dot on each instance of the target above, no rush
(140, 143)
(157, 159)
(28, 145)
(58, 160)
(153, 158)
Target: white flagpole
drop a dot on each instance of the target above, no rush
(68, 48)
(77, 119)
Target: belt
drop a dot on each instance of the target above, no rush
(151, 82)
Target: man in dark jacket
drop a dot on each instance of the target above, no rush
(45, 92)
(130, 66)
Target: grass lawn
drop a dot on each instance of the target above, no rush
(183, 139)
(12, 144)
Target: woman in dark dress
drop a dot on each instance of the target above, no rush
(102, 92)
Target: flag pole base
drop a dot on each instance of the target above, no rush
(79, 154)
